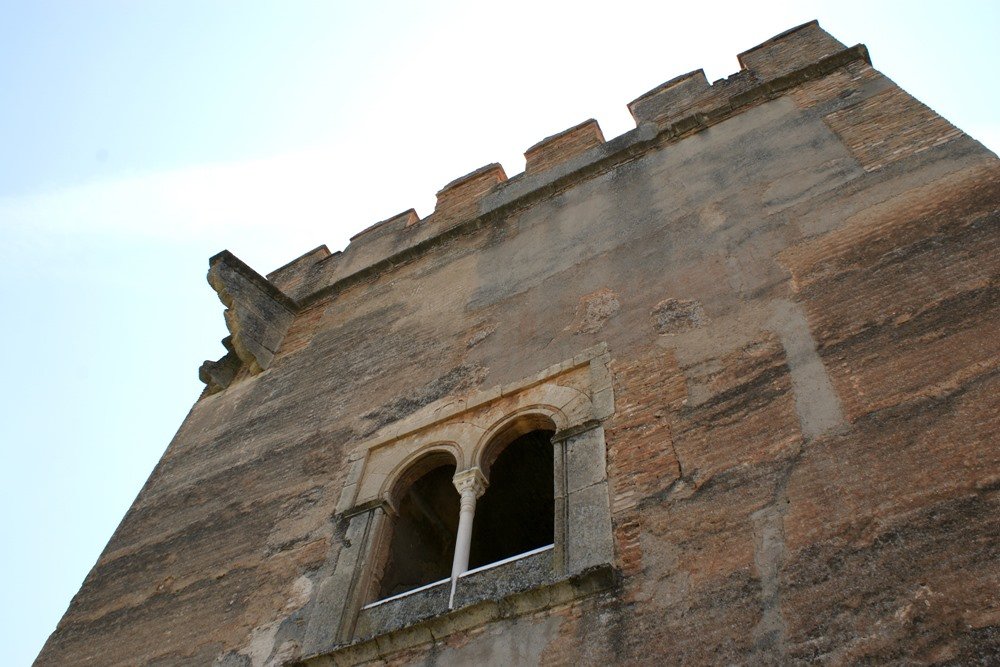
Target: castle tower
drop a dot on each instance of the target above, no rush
(722, 389)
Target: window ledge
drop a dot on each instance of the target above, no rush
(490, 582)
(505, 591)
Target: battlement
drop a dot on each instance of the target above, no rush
(683, 105)
(557, 149)
(674, 110)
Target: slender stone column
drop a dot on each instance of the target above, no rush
(471, 484)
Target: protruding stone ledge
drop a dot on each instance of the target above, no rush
(217, 375)
(493, 582)
(589, 582)
(561, 147)
(257, 313)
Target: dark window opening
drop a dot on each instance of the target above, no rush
(516, 513)
(423, 537)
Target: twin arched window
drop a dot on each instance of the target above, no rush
(513, 515)
(514, 473)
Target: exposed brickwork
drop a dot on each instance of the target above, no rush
(904, 305)
(889, 127)
(790, 50)
(561, 147)
(744, 413)
(941, 243)
(641, 457)
(460, 198)
(843, 84)
(302, 330)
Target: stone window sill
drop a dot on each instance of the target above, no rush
(521, 586)
(490, 582)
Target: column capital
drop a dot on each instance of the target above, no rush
(470, 481)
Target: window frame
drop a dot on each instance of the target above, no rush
(574, 396)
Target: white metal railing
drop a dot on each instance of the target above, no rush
(406, 593)
(481, 568)
(511, 559)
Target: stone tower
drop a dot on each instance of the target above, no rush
(722, 389)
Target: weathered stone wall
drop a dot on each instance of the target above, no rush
(796, 272)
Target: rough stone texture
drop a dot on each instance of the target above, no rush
(257, 315)
(796, 273)
(492, 584)
(595, 310)
(561, 147)
(792, 49)
(674, 316)
(672, 100)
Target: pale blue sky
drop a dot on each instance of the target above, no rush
(139, 138)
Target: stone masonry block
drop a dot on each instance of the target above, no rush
(589, 528)
(586, 460)
(673, 98)
(563, 146)
(257, 313)
(291, 274)
(789, 51)
(460, 198)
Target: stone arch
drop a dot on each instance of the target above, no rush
(558, 406)
(510, 427)
(418, 538)
(516, 513)
(418, 463)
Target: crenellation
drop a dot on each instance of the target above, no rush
(381, 240)
(791, 50)
(682, 106)
(397, 222)
(672, 100)
(459, 200)
(524, 186)
(562, 147)
(289, 277)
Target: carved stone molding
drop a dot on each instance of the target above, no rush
(257, 315)
(570, 395)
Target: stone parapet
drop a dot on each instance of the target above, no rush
(791, 50)
(673, 99)
(682, 106)
(289, 276)
(561, 147)
(460, 198)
